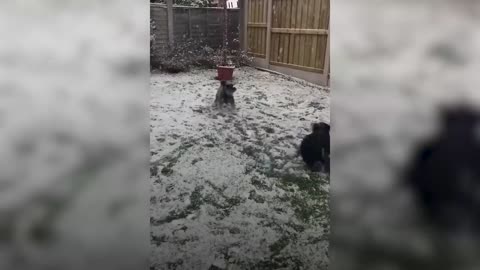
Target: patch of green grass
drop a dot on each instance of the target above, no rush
(167, 171)
(175, 265)
(269, 130)
(219, 190)
(225, 203)
(158, 240)
(280, 262)
(309, 201)
(226, 206)
(255, 180)
(279, 245)
(270, 172)
(196, 200)
(234, 201)
(172, 215)
(196, 160)
(297, 227)
(306, 211)
(310, 185)
(170, 161)
(249, 151)
(153, 170)
(255, 197)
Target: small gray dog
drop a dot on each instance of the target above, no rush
(225, 94)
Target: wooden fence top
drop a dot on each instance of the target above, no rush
(189, 7)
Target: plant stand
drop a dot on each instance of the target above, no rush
(224, 71)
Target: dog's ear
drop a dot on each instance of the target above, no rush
(223, 83)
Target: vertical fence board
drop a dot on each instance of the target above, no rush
(288, 36)
(293, 24)
(297, 37)
(268, 30)
(283, 24)
(257, 27)
(170, 21)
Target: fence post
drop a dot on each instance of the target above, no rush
(225, 32)
(269, 32)
(246, 4)
(241, 16)
(326, 67)
(190, 23)
(206, 27)
(170, 21)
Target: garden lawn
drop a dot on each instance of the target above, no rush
(228, 189)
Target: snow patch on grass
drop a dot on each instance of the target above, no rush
(228, 189)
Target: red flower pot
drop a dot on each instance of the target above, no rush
(225, 73)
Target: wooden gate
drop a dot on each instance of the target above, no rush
(290, 36)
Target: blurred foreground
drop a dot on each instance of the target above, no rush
(74, 135)
(394, 64)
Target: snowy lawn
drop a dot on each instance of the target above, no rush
(228, 189)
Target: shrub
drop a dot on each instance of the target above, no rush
(195, 53)
(195, 3)
(240, 57)
(177, 58)
(174, 66)
(153, 38)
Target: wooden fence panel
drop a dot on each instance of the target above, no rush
(161, 32)
(198, 22)
(195, 23)
(257, 27)
(180, 22)
(297, 33)
(215, 27)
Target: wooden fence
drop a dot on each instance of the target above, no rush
(290, 36)
(195, 23)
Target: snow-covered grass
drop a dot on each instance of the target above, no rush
(228, 189)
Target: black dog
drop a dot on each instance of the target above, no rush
(445, 172)
(225, 94)
(315, 148)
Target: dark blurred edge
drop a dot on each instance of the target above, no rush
(394, 64)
